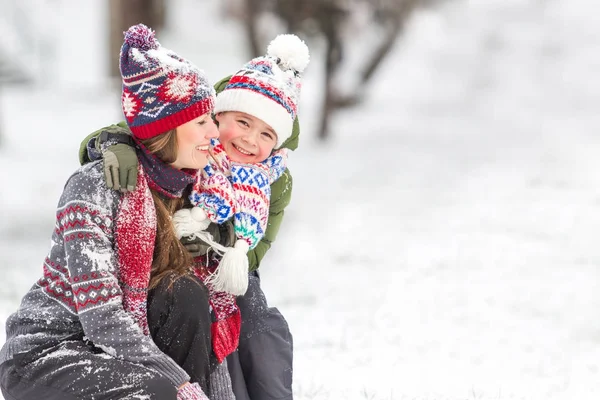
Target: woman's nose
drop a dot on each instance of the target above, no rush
(213, 131)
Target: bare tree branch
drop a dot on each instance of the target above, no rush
(328, 19)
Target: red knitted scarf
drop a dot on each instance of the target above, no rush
(226, 326)
(135, 236)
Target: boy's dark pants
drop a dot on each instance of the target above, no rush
(261, 368)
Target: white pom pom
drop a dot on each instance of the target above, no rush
(231, 275)
(199, 214)
(291, 51)
(186, 225)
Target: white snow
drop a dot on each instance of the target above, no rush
(442, 246)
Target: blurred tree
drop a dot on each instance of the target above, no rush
(125, 13)
(1, 130)
(11, 73)
(341, 24)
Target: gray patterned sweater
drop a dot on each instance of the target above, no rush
(79, 292)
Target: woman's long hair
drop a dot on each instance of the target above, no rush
(170, 258)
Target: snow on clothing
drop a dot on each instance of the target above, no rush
(251, 345)
(76, 369)
(83, 290)
(281, 189)
(80, 291)
(226, 327)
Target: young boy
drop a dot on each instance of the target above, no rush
(228, 189)
(256, 113)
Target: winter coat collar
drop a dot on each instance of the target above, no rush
(170, 182)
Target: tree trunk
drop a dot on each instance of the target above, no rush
(330, 24)
(328, 98)
(397, 23)
(125, 13)
(395, 20)
(250, 25)
(1, 129)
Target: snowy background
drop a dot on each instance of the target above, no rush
(440, 247)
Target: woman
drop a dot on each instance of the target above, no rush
(82, 331)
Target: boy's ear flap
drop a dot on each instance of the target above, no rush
(292, 142)
(219, 86)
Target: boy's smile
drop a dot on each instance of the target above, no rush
(241, 150)
(246, 139)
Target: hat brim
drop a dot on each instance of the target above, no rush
(259, 106)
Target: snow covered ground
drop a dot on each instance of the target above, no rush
(440, 247)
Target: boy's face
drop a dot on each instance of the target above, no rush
(246, 139)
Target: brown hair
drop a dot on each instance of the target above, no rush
(170, 258)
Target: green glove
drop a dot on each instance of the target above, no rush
(120, 167)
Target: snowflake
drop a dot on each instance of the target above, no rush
(178, 88)
(131, 105)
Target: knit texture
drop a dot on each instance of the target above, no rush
(85, 286)
(191, 392)
(136, 228)
(268, 87)
(220, 387)
(227, 189)
(136, 234)
(161, 90)
(225, 329)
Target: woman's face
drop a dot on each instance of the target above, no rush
(193, 139)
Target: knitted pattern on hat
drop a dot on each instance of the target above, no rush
(268, 87)
(160, 89)
(226, 189)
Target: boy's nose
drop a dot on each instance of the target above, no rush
(249, 138)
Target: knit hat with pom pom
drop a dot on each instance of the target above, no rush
(160, 89)
(268, 87)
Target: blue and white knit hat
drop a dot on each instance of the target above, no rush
(268, 87)
(160, 89)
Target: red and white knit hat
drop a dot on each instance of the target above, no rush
(268, 87)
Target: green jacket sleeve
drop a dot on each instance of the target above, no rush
(83, 152)
(281, 194)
